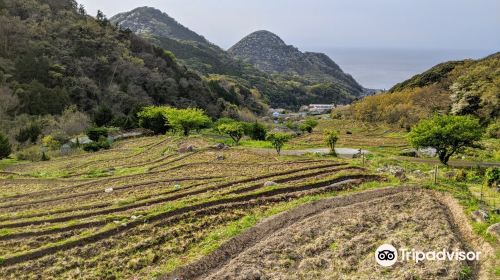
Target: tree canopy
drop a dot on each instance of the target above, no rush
(447, 134)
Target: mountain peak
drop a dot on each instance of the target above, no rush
(151, 21)
(265, 37)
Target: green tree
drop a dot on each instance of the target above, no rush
(187, 119)
(331, 138)
(103, 116)
(154, 118)
(256, 131)
(235, 130)
(447, 134)
(5, 147)
(30, 133)
(278, 140)
(309, 125)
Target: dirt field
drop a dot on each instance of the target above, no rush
(336, 239)
(129, 211)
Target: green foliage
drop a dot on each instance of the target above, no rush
(44, 157)
(50, 142)
(308, 125)
(256, 131)
(29, 133)
(492, 177)
(447, 134)
(5, 146)
(235, 130)
(331, 138)
(101, 143)
(103, 116)
(187, 119)
(493, 130)
(278, 140)
(31, 153)
(95, 133)
(154, 118)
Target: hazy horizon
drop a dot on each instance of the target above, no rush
(381, 39)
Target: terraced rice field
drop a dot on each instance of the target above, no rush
(139, 208)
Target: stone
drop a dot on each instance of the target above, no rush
(480, 216)
(270, 184)
(220, 146)
(494, 230)
(186, 149)
(221, 157)
(108, 190)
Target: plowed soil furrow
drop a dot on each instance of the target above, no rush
(333, 184)
(235, 246)
(160, 200)
(101, 191)
(294, 178)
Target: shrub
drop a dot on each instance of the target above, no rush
(5, 147)
(331, 138)
(492, 177)
(278, 140)
(493, 130)
(50, 142)
(29, 133)
(103, 116)
(235, 130)
(97, 132)
(256, 131)
(447, 134)
(155, 119)
(222, 121)
(32, 154)
(308, 125)
(91, 147)
(104, 143)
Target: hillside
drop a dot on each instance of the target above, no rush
(53, 55)
(269, 53)
(456, 87)
(288, 91)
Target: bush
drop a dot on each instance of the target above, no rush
(5, 147)
(50, 142)
(308, 125)
(256, 131)
(278, 140)
(222, 121)
(331, 138)
(91, 147)
(29, 133)
(493, 130)
(101, 144)
(492, 177)
(32, 154)
(97, 132)
(155, 119)
(447, 134)
(103, 116)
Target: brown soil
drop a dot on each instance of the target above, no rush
(335, 239)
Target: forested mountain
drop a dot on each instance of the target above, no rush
(269, 53)
(280, 90)
(53, 55)
(467, 87)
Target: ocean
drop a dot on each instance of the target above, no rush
(383, 68)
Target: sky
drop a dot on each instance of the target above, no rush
(364, 24)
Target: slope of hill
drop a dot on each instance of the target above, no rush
(269, 53)
(288, 91)
(53, 55)
(456, 87)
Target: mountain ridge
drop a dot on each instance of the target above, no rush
(286, 89)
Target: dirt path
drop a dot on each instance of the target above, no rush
(335, 239)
